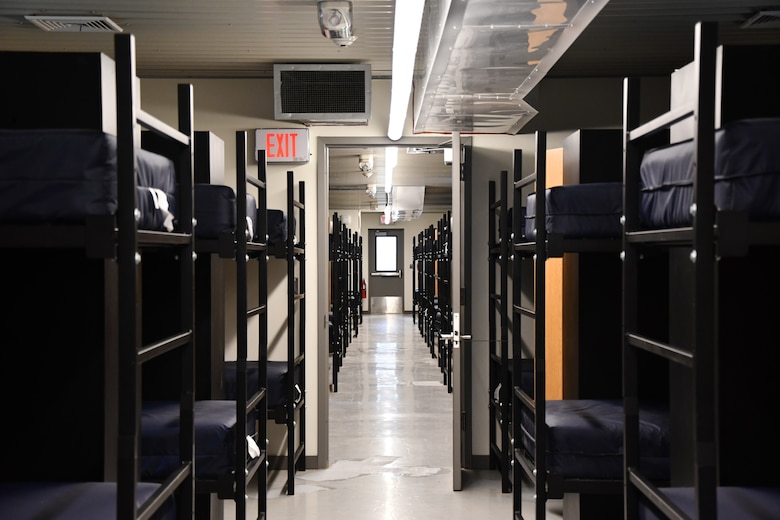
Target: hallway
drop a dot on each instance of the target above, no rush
(390, 441)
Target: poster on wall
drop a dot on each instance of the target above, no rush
(283, 145)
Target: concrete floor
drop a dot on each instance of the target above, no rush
(390, 442)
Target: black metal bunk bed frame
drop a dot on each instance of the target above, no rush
(532, 467)
(500, 381)
(432, 260)
(240, 248)
(713, 237)
(133, 354)
(426, 294)
(118, 240)
(346, 257)
(443, 319)
(293, 414)
(525, 468)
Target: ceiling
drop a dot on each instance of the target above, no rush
(244, 38)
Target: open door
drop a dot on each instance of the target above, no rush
(461, 317)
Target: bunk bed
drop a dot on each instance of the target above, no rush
(106, 216)
(500, 369)
(287, 377)
(432, 253)
(575, 453)
(230, 395)
(705, 202)
(346, 267)
(427, 298)
(443, 317)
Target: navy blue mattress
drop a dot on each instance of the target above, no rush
(733, 502)
(579, 211)
(277, 227)
(277, 382)
(215, 211)
(70, 501)
(66, 175)
(747, 175)
(585, 439)
(215, 424)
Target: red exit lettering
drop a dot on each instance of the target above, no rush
(281, 145)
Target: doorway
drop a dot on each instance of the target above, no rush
(385, 279)
(332, 149)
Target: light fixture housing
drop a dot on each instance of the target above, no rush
(336, 21)
(406, 34)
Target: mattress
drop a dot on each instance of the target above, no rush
(277, 382)
(747, 175)
(585, 439)
(215, 424)
(579, 211)
(67, 175)
(733, 502)
(277, 227)
(70, 501)
(215, 211)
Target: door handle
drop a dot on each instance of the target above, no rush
(396, 274)
(455, 336)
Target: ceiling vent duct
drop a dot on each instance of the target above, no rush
(75, 23)
(323, 94)
(763, 20)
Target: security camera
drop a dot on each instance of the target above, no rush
(336, 21)
(366, 165)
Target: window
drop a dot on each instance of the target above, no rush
(385, 253)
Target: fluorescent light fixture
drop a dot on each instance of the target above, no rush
(406, 32)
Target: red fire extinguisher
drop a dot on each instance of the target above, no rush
(363, 289)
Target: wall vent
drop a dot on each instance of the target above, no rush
(763, 20)
(323, 94)
(75, 23)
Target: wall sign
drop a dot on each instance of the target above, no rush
(283, 145)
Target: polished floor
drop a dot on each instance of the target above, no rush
(391, 442)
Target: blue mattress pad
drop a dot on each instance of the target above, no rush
(64, 176)
(746, 177)
(579, 210)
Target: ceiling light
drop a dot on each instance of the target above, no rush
(406, 32)
(336, 21)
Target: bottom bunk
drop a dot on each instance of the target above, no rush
(584, 452)
(278, 386)
(215, 444)
(585, 441)
(71, 500)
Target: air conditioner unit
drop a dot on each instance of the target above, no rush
(323, 94)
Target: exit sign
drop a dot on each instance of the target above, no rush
(283, 145)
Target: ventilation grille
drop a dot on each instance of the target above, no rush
(323, 94)
(763, 19)
(75, 23)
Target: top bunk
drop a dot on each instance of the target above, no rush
(720, 124)
(582, 209)
(66, 160)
